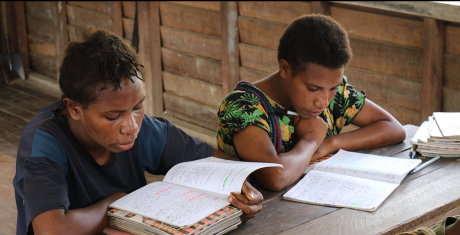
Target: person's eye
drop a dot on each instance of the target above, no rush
(313, 89)
(139, 107)
(334, 88)
(112, 118)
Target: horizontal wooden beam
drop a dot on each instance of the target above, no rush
(434, 10)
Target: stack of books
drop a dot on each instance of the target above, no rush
(439, 136)
(219, 222)
(191, 199)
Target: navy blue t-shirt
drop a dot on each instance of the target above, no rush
(53, 171)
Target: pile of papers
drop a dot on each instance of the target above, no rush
(439, 136)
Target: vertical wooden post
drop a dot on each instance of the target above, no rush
(11, 26)
(321, 7)
(62, 37)
(230, 51)
(150, 53)
(115, 17)
(433, 54)
(21, 30)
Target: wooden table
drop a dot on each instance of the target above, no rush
(422, 199)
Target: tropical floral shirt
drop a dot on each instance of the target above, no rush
(240, 109)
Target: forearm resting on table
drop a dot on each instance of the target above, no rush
(295, 162)
(89, 220)
(377, 134)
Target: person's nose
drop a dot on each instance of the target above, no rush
(129, 126)
(322, 101)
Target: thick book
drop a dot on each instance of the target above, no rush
(430, 142)
(191, 199)
(352, 180)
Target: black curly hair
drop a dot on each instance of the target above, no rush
(315, 39)
(100, 60)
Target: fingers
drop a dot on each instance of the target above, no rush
(252, 194)
(247, 209)
(245, 218)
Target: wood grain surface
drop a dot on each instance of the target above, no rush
(391, 29)
(385, 88)
(208, 5)
(391, 59)
(195, 43)
(260, 33)
(191, 65)
(433, 55)
(190, 111)
(194, 89)
(258, 58)
(190, 18)
(452, 44)
(276, 11)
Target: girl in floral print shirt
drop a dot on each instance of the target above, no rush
(254, 124)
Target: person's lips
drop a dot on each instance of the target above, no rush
(315, 113)
(125, 146)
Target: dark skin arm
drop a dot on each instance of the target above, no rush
(253, 144)
(89, 220)
(377, 128)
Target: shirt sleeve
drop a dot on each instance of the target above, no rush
(346, 103)
(237, 111)
(176, 147)
(44, 186)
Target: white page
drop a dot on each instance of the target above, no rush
(170, 203)
(421, 136)
(448, 123)
(434, 129)
(214, 174)
(325, 188)
(369, 166)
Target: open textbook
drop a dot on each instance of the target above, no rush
(191, 199)
(352, 180)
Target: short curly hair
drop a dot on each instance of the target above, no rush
(101, 59)
(315, 39)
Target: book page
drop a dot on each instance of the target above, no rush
(214, 174)
(421, 136)
(368, 166)
(448, 123)
(170, 203)
(435, 133)
(330, 189)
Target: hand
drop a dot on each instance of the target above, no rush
(312, 129)
(326, 148)
(250, 201)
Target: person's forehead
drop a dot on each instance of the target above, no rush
(129, 93)
(321, 76)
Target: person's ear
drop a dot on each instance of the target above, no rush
(75, 108)
(285, 69)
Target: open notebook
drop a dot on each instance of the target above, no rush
(352, 180)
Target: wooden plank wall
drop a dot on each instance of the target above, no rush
(191, 59)
(387, 59)
(202, 42)
(451, 69)
(261, 24)
(41, 24)
(129, 12)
